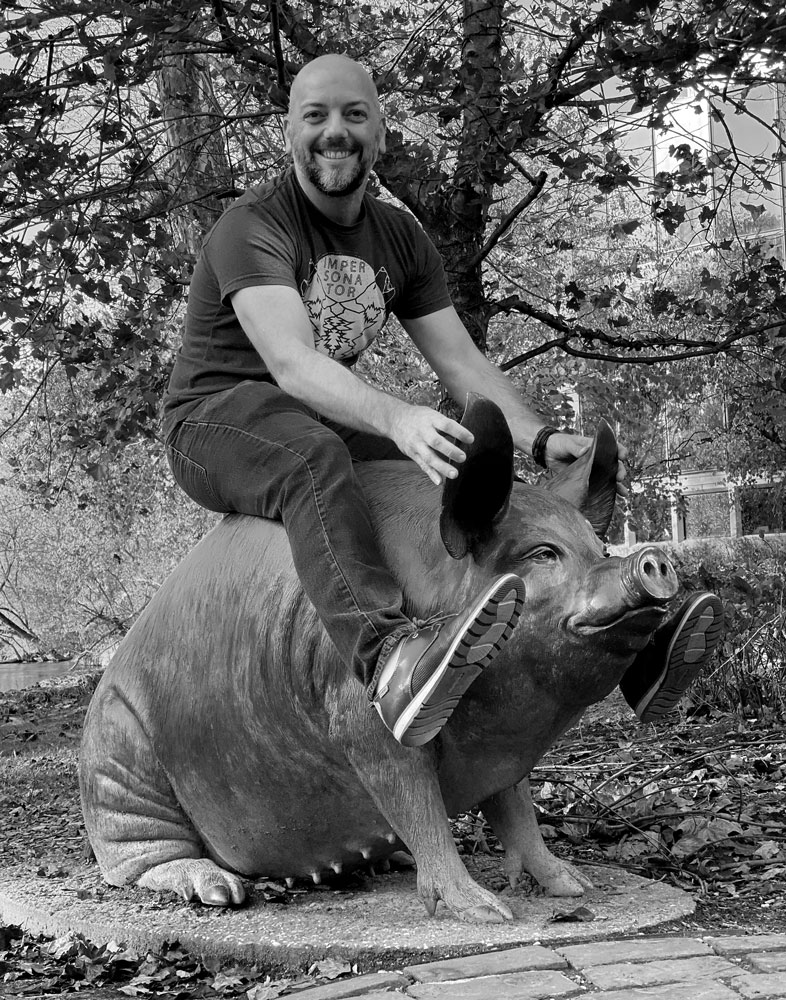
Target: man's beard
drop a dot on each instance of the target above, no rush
(333, 182)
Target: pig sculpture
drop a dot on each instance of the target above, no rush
(226, 738)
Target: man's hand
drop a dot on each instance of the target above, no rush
(424, 435)
(562, 449)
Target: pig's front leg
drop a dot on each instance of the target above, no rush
(404, 786)
(512, 818)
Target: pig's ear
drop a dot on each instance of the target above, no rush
(478, 497)
(590, 483)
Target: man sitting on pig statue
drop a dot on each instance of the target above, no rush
(265, 416)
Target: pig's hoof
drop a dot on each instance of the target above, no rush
(216, 895)
(482, 914)
(218, 888)
(568, 881)
(195, 879)
(473, 905)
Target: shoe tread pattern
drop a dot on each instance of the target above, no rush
(491, 628)
(691, 647)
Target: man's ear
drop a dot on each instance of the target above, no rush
(287, 143)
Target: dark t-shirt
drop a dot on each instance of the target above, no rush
(350, 279)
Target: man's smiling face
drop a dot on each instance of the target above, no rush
(334, 129)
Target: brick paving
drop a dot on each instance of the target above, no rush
(641, 968)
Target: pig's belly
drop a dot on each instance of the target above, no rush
(281, 811)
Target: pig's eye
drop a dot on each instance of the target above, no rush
(542, 554)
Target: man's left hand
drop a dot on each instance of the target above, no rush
(563, 449)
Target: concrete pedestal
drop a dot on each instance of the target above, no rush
(383, 925)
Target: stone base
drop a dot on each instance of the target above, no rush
(383, 925)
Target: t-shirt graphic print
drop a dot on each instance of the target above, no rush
(346, 302)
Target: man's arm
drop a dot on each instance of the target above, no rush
(444, 342)
(274, 319)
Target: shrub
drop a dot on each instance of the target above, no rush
(748, 674)
(78, 575)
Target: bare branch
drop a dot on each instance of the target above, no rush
(416, 31)
(508, 219)
(685, 349)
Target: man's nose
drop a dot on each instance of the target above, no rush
(335, 126)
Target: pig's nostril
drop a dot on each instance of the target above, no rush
(651, 569)
(648, 576)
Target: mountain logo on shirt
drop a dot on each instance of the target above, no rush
(346, 302)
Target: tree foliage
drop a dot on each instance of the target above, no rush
(127, 127)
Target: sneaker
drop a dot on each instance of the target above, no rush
(677, 653)
(429, 670)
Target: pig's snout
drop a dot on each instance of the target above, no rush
(627, 595)
(647, 577)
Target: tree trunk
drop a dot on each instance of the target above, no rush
(459, 229)
(199, 174)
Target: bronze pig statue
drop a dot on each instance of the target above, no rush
(225, 738)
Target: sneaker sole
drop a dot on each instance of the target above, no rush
(489, 626)
(692, 644)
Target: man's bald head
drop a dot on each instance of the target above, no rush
(329, 72)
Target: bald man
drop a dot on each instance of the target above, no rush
(265, 416)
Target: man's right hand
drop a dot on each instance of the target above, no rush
(275, 321)
(426, 436)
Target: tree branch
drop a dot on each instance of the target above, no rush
(508, 219)
(521, 169)
(222, 21)
(381, 81)
(275, 34)
(297, 33)
(695, 348)
(17, 629)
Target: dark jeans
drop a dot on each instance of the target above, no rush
(253, 449)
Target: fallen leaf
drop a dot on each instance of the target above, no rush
(330, 968)
(52, 871)
(264, 992)
(769, 849)
(223, 982)
(580, 915)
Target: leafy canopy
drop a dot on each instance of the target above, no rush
(127, 127)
